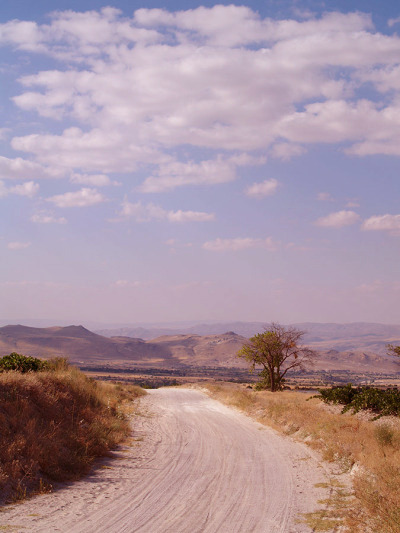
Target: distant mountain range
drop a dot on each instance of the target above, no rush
(356, 347)
(357, 336)
(85, 347)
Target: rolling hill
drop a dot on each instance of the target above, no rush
(84, 347)
(358, 350)
(357, 336)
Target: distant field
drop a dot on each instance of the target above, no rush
(157, 377)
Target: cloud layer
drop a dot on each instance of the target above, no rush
(338, 219)
(219, 78)
(146, 212)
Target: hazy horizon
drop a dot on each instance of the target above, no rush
(202, 162)
(93, 325)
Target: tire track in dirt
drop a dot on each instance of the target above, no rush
(200, 468)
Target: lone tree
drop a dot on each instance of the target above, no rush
(277, 349)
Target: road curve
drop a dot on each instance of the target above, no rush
(195, 466)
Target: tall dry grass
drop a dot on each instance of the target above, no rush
(53, 424)
(373, 448)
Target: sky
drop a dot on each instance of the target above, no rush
(183, 161)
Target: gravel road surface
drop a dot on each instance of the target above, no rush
(194, 466)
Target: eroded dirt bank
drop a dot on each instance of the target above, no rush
(194, 466)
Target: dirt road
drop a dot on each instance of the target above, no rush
(195, 466)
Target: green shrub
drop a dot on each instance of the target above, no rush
(382, 402)
(22, 363)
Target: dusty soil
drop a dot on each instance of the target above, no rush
(194, 465)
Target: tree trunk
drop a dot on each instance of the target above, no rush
(272, 378)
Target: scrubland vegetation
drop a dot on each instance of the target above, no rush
(370, 449)
(380, 401)
(54, 421)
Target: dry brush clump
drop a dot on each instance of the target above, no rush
(53, 424)
(370, 449)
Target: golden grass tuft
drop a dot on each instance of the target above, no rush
(52, 426)
(373, 446)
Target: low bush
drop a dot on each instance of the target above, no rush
(381, 402)
(22, 363)
(53, 424)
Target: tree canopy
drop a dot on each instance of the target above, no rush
(278, 351)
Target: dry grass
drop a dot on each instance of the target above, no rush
(53, 424)
(374, 447)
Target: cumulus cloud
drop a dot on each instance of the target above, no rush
(352, 203)
(189, 216)
(389, 223)
(82, 198)
(94, 180)
(20, 168)
(44, 217)
(175, 174)
(238, 244)
(221, 78)
(16, 245)
(28, 188)
(286, 151)
(265, 188)
(338, 219)
(146, 212)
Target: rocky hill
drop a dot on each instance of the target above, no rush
(362, 352)
(83, 346)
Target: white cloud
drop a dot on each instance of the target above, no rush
(107, 150)
(174, 243)
(286, 151)
(176, 174)
(47, 218)
(19, 168)
(265, 188)
(189, 216)
(28, 188)
(389, 223)
(352, 203)
(324, 197)
(172, 174)
(338, 219)
(146, 212)
(16, 245)
(82, 198)
(239, 244)
(94, 180)
(222, 78)
(392, 22)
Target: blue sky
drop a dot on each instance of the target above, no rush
(200, 161)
